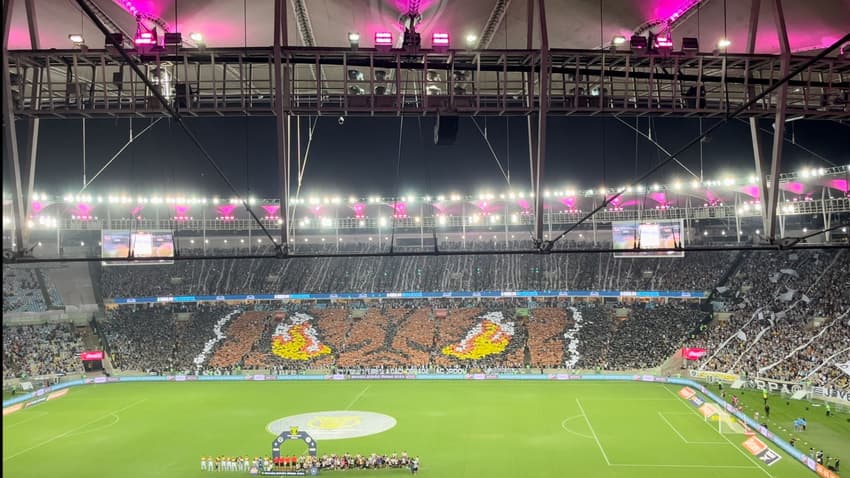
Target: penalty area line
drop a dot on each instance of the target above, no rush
(748, 457)
(39, 445)
(661, 414)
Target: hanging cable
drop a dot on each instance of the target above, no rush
(796, 71)
(176, 116)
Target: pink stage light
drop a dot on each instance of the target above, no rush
(37, 207)
(440, 40)
(145, 38)
(383, 39)
(271, 209)
(663, 42)
(181, 209)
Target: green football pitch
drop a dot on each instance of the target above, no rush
(457, 428)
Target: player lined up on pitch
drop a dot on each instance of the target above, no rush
(325, 462)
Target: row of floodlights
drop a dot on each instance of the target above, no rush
(384, 40)
(663, 42)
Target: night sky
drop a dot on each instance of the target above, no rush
(360, 156)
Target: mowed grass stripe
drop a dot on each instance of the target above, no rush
(458, 428)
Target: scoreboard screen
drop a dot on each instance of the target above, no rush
(663, 234)
(158, 246)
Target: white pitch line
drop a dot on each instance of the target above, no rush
(737, 447)
(7, 458)
(660, 414)
(669, 465)
(358, 397)
(564, 426)
(13, 425)
(672, 427)
(592, 432)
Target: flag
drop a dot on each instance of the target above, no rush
(844, 367)
(806, 299)
(787, 296)
(790, 272)
(741, 336)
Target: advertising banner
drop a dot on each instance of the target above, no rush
(714, 376)
(693, 353)
(92, 355)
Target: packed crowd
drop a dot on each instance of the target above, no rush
(21, 291)
(41, 350)
(696, 271)
(790, 318)
(159, 338)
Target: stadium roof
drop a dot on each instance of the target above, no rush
(575, 24)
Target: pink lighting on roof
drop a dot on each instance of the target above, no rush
(37, 207)
(440, 39)
(794, 187)
(569, 202)
(752, 191)
(658, 197)
(523, 204)
(359, 209)
(84, 209)
(383, 39)
(840, 184)
(400, 209)
(271, 209)
(226, 209)
(181, 209)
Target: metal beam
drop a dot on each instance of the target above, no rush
(779, 122)
(282, 122)
(497, 15)
(755, 134)
(11, 136)
(543, 110)
(32, 123)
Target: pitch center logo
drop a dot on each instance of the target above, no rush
(334, 424)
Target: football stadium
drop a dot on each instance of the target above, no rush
(448, 238)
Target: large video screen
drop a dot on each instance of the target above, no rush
(155, 245)
(649, 235)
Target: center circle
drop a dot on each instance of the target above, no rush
(334, 424)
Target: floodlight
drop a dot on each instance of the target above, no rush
(724, 43)
(354, 39)
(172, 39)
(383, 40)
(638, 43)
(618, 40)
(470, 40)
(440, 40)
(196, 37)
(76, 38)
(690, 44)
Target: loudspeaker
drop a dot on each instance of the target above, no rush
(445, 130)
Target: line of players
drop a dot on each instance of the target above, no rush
(229, 463)
(331, 462)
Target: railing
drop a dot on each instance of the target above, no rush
(240, 82)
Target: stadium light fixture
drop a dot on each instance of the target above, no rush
(618, 40)
(470, 40)
(440, 40)
(724, 43)
(638, 43)
(76, 39)
(383, 40)
(354, 40)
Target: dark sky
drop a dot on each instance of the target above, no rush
(360, 156)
